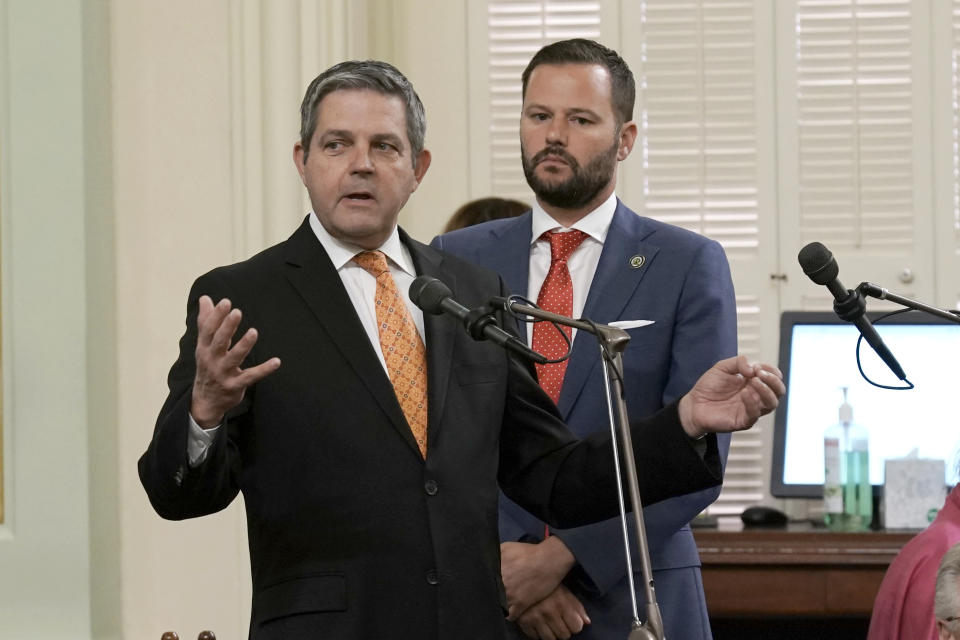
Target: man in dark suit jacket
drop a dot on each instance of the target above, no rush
(354, 531)
(576, 125)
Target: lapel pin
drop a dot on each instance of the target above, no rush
(637, 261)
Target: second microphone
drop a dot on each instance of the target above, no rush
(434, 297)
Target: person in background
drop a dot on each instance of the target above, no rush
(903, 608)
(484, 210)
(946, 604)
(582, 252)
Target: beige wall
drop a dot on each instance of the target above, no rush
(143, 143)
(430, 47)
(45, 539)
(172, 201)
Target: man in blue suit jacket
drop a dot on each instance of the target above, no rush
(576, 125)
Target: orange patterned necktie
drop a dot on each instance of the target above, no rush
(555, 295)
(402, 347)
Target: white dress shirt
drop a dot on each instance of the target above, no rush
(582, 263)
(361, 287)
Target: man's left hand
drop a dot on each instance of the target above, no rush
(730, 396)
(531, 571)
(557, 617)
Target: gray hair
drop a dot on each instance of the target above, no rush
(374, 75)
(947, 600)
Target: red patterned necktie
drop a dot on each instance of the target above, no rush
(556, 295)
(402, 347)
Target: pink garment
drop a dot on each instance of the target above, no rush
(903, 609)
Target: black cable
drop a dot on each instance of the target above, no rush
(860, 367)
(607, 355)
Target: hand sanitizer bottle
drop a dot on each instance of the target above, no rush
(847, 494)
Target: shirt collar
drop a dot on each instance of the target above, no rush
(595, 224)
(341, 253)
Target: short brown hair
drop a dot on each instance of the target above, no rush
(623, 90)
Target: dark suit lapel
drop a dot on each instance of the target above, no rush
(614, 285)
(512, 257)
(439, 332)
(313, 276)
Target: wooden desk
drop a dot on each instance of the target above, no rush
(799, 571)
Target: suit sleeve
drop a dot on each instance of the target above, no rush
(510, 527)
(568, 482)
(704, 333)
(176, 490)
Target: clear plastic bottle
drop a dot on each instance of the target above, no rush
(847, 494)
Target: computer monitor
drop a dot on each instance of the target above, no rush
(817, 357)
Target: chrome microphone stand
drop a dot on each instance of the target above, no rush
(875, 291)
(613, 341)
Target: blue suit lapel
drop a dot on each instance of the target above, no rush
(614, 285)
(512, 257)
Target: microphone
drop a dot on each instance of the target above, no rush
(434, 297)
(821, 267)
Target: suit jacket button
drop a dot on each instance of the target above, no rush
(431, 487)
(433, 578)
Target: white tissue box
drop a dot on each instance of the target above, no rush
(913, 490)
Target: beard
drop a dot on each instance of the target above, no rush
(581, 187)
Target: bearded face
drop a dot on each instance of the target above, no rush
(578, 184)
(570, 137)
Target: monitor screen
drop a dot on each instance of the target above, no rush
(818, 359)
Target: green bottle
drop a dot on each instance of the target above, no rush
(847, 494)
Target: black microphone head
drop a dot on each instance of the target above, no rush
(427, 293)
(818, 263)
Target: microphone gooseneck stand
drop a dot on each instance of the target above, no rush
(874, 291)
(613, 341)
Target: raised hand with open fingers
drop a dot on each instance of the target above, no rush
(220, 383)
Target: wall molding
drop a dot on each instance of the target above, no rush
(276, 49)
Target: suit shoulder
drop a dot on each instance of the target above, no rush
(664, 231)
(465, 268)
(681, 243)
(450, 262)
(251, 269)
(469, 237)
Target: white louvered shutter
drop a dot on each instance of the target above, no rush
(946, 20)
(955, 129)
(703, 161)
(514, 31)
(855, 164)
(854, 95)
